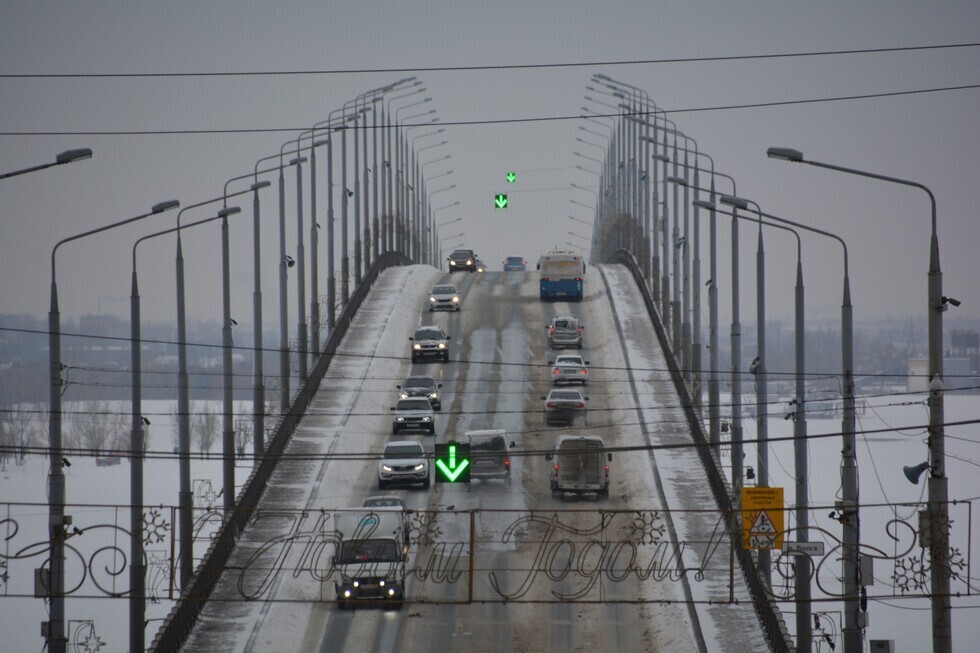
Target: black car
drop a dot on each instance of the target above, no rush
(430, 342)
(421, 386)
(462, 259)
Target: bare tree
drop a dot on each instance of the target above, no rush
(206, 428)
(23, 426)
(244, 428)
(94, 426)
(174, 425)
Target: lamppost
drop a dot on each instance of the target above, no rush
(419, 192)
(258, 383)
(137, 568)
(184, 497)
(284, 262)
(428, 230)
(68, 156)
(434, 233)
(714, 398)
(448, 238)
(938, 490)
(56, 477)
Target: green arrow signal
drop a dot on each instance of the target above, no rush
(500, 201)
(455, 468)
(511, 177)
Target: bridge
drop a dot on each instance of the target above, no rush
(676, 557)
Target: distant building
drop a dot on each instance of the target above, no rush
(958, 374)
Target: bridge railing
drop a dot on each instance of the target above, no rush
(179, 622)
(766, 608)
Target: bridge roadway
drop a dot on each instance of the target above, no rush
(272, 596)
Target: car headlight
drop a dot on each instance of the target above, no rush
(386, 468)
(455, 299)
(399, 419)
(356, 584)
(346, 594)
(426, 419)
(432, 299)
(442, 345)
(452, 263)
(416, 346)
(381, 583)
(469, 262)
(434, 396)
(419, 467)
(403, 395)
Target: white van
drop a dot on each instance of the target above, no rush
(581, 466)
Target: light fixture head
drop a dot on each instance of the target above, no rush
(74, 155)
(704, 204)
(785, 153)
(260, 184)
(231, 210)
(165, 206)
(737, 202)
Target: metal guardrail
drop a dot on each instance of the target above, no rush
(771, 618)
(182, 617)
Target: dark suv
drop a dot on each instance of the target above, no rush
(462, 259)
(421, 386)
(430, 342)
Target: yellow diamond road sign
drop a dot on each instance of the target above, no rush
(762, 517)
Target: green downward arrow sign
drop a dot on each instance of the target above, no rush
(511, 177)
(454, 468)
(500, 201)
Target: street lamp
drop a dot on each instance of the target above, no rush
(68, 156)
(137, 569)
(585, 222)
(938, 490)
(56, 477)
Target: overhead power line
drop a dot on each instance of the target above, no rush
(528, 66)
(499, 121)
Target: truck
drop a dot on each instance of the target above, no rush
(371, 557)
(562, 276)
(489, 454)
(581, 466)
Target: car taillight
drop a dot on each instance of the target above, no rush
(506, 462)
(556, 371)
(552, 404)
(580, 405)
(580, 329)
(556, 467)
(584, 371)
(578, 278)
(544, 278)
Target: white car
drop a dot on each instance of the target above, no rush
(403, 462)
(569, 368)
(391, 503)
(444, 298)
(562, 405)
(413, 413)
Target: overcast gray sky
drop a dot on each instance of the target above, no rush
(929, 138)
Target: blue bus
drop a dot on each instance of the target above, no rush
(562, 276)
